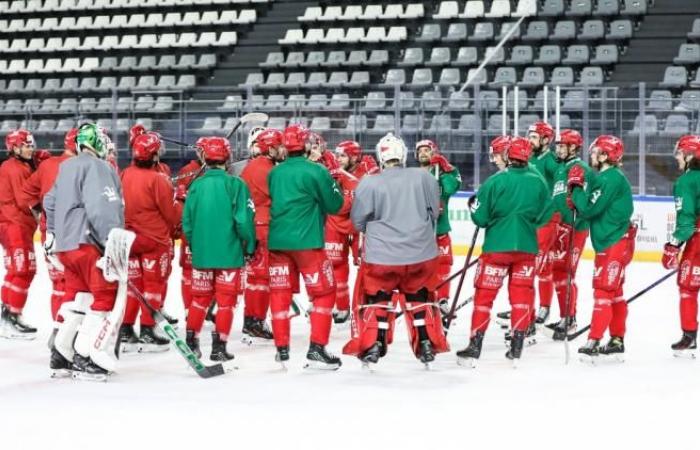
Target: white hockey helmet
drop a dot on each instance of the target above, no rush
(391, 147)
(253, 135)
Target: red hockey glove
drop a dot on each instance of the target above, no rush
(671, 257)
(328, 160)
(181, 193)
(40, 156)
(442, 162)
(577, 176)
(369, 164)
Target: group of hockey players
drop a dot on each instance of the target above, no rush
(300, 212)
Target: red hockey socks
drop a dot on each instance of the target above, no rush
(619, 317)
(197, 313)
(689, 310)
(546, 291)
(256, 303)
(279, 305)
(481, 316)
(224, 314)
(560, 279)
(321, 318)
(602, 314)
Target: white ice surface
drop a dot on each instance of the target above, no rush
(650, 401)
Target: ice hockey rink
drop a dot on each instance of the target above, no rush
(649, 401)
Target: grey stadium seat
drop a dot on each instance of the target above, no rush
(338, 79)
(564, 30)
(660, 100)
(412, 123)
(562, 76)
(163, 103)
(606, 54)
(483, 31)
(395, 76)
(439, 56)
(339, 101)
(572, 101)
(675, 77)
(422, 77)
(317, 101)
(456, 32)
(688, 54)
(459, 101)
(489, 100)
(335, 58)
(320, 123)
(294, 80)
(522, 99)
(356, 58)
(294, 59)
(378, 58)
(577, 55)
(696, 81)
(676, 125)
(382, 124)
(314, 59)
(634, 7)
(412, 57)
(537, 30)
(580, 8)
(431, 101)
(273, 60)
(375, 101)
(499, 56)
(695, 32)
(430, 32)
(358, 79)
(449, 77)
(619, 30)
(466, 56)
(532, 77)
(468, 124)
(520, 55)
(316, 80)
(505, 76)
(494, 125)
(525, 121)
(356, 122)
(253, 79)
(552, 8)
(690, 101)
(407, 100)
(505, 29)
(651, 125)
(607, 8)
(591, 76)
(441, 123)
(549, 55)
(294, 102)
(231, 103)
(275, 102)
(592, 30)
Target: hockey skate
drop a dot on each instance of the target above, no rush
(614, 349)
(282, 356)
(318, 359)
(128, 341)
(426, 354)
(255, 331)
(59, 365)
(542, 316)
(590, 352)
(13, 327)
(516, 347)
(218, 349)
(150, 342)
(469, 356)
(341, 317)
(173, 321)
(85, 369)
(530, 336)
(370, 357)
(559, 330)
(503, 319)
(687, 346)
(193, 343)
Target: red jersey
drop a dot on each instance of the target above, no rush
(163, 168)
(255, 176)
(190, 170)
(13, 174)
(341, 221)
(40, 183)
(150, 206)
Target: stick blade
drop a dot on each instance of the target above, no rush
(254, 117)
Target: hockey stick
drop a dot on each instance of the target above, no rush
(630, 300)
(250, 117)
(569, 276)
(460, 306)
(456, 274)
(461, 280)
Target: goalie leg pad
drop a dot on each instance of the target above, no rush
(423, 321)
(87, 342)
(71, 314)
(373, 323)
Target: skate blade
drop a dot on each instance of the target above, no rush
(503, 323)
(254, 340)
(369, 367)
(469, 363)
(588, 359)
(317, 365)
(61, 373)
(18, 336)
(613, 358)
(128, 348)
(685, 354)
(82, 376)
(515, 363)
(428, 366)
(150, 348)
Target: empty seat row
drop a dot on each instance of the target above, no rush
(294, 101)
(679, 77)
(31, 6)
(476, 8)
(664, 100)
(146, 103)
(694, 34)
(358, 12)
(104, 84)
(336, 58)
(125, 42)
(688, 54)
(109, 64)
(341, 35)
(553, 8)
(122, 21)
(276, 80)
(564, 30)
(673, 126)
(519, 55)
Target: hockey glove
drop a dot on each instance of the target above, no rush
(671, 257)
(328, 160)
(49, 250)
(40, 156)
(577, 177)
(181, 193)
(442, 162)
(369, 164)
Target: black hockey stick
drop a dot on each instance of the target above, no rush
(456, 274)
(629, 300)
(461, 280)
(460, 306)
(569, 276)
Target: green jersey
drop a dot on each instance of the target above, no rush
(302, 194)
(449, 183)
(511, 205)
(218, 221)
(546, 164)
(686, 194)
(607, 206)
(561, 192)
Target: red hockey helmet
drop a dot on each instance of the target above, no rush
(69, 140)
(519, 149)
(610, 145)
(145, 146)
(689, 145)
(270, 138)
(295, 138)
(499, 145)
(350, 148)
(136, 131)
(216, 149)
(317, 139)
(17, 138)
(570, 137)
(542, 129)
(427, 143)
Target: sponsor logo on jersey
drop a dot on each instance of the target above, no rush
(276, 271)
(559, 188)
(595, 195)
(227, 276)
(251, 205)
(110, 194)
(202, 275)
(149, 264)
(444, 250)
(495, 271)
(311, 279)
(679, 203)
(334, 246)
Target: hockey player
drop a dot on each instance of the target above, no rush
(34, 190)
(510, 205)
(85, 210)
(152, 212)
(497, 151)
(265, 152)
(302, 194)
(218, 222)
(428, 156)
(568, 149)
(686, 193)
(400, 253)
(608, 206)
(18, 235)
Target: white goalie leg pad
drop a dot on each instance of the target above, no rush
(91, 327)
(115, 262)
(73, 314)
(103, 350)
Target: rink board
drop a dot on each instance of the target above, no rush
(655, 217)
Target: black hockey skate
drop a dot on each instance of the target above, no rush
(614, 348)
(13, 327)
(590, 352)
(341, 317)
(218, 349)
(542, 315)
(128, 341)
(530, 335)
(255, 330)
(52, 338)
(193, 343)
(426, 354)
(687, 346)
(516, 347)
(318, 359)
(150, 342)
(503, 319)
(85, 369)
(371, 356)
(59, 365)
(563, 328)
(282, 355)
(173, 321)
(468, 356)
